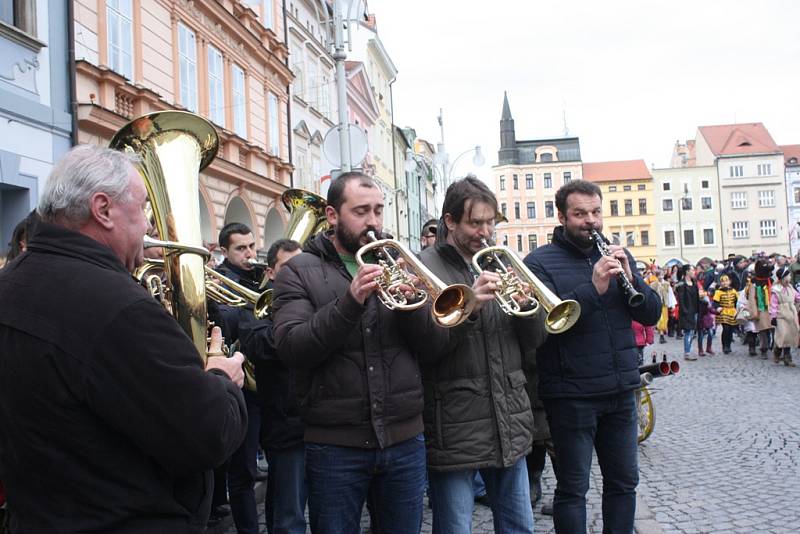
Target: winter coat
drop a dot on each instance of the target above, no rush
(357, 374)
(706, 314)
(598, 355)
(688, 305)
(643, 335)
(761, 318)
(726, 300)
(783, 308)
(477, 412)
(110, 423)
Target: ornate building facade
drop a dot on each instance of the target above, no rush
(225, 60)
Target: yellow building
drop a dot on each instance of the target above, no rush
(628, 210)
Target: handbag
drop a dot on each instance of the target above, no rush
(743, 316)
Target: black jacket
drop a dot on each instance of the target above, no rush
(598, 355)
(688, 298)
(357, 373)
(109, 422)
(227, 317)
(477, 412)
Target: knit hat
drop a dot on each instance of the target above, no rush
(763, 268)
(783, 271)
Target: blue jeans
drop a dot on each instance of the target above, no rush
(609, 425)
(242, 471)
(340, 479)
(508, 491)
(287, 492)
(478, 486)
(688, 337)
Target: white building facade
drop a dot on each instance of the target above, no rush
(791, 162)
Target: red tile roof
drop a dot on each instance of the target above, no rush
(609, 171)
(733, 139)
(789, 152)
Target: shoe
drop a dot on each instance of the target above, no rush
(661, 339)
(764, 356)
(484, 500)
(689, 358)
(536, 490)
(753, 352)
(709, 351)
(726, 350)
(789, 363)
(679, 336)
(701, 353)
(547, 508)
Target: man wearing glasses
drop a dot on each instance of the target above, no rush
(428, 233)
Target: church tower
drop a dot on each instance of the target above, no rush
(508, 153)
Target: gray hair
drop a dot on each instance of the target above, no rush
(82, 172)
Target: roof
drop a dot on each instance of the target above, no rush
(791, 152)
(739, 139)
(612, 171)
(567, 149)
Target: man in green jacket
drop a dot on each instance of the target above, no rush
(477, 412)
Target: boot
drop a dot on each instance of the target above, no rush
(661, 339)
(777, 355)
(708, 347)
(787, 361)
(536, 487)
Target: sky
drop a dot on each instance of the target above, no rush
(631, 77)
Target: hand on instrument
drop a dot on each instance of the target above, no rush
(217, 360)
(484, 288)
(618, 252)
(364, 284)
(605, 268)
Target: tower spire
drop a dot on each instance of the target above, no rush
(508, 153)
(506, 109)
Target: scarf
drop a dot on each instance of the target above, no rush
(762, 287)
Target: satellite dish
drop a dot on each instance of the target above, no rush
(358, 146)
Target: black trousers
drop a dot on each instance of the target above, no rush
(727, 335)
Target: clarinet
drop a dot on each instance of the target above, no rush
(634, 297)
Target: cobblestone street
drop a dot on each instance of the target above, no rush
(724, 456)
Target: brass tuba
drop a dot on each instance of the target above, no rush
(561, 314)
(450, 305)
(173, 147)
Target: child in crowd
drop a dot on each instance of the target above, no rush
(725, 299)
(783, 310)
(643, 336)
(705, 324)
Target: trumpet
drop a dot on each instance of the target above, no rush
(236, 295)
(634, 297)
(257, 263)
(561, 314)
(451, 305)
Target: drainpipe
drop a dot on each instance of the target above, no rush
(73, 84)
(288, 92)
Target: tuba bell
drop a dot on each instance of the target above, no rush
(173, 147)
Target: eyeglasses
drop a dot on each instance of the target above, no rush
(430, 232)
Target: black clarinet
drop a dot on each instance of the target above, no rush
(634, 297)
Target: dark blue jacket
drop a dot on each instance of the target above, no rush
(598, 355)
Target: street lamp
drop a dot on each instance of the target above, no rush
(477, 159)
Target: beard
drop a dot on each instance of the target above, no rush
(351, 241)
(576, 236)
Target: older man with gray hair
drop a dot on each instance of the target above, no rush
(109, 421)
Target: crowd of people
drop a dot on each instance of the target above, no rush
(753, 298)
(110, 421)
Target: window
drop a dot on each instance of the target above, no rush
(666, 204)
(531, 210)
(666, 186)
(628, 206)
(629, 242)
(503, 210)
(120, 36)
(669, 238)
(640, 187)
(688, 237)
(548, 210)
(546, 157)
(615, 238)
(268, 14)
(548, 180)
(736, 171)
(769, 228)
(532, 242)
(239, 103)
(705, 203)
(797, 195)
(642, 206)
(516, 210)
(766, 199)
(704, 184)
(502, 183)
(644, 238)
(708, 236)
(612, 188)
(187, 57)
(567, 176)
(739, 200)
(549, 238)
(515, 181)
(528, 181)
(505, 240)
(614, 208)
(519, 242)
(216, 92)
(626, 188)
(764, 169)
(19, 13)
(686, 203)
(274, 125)
(741, 230)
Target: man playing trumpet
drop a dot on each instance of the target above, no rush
(477, 412)
(358, 379)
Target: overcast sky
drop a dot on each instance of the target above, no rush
(631, 76)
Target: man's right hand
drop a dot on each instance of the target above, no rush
(484, 288)
(364, 284)
(231, 366)
(604, 269)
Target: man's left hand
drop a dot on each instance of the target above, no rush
(618, 252)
